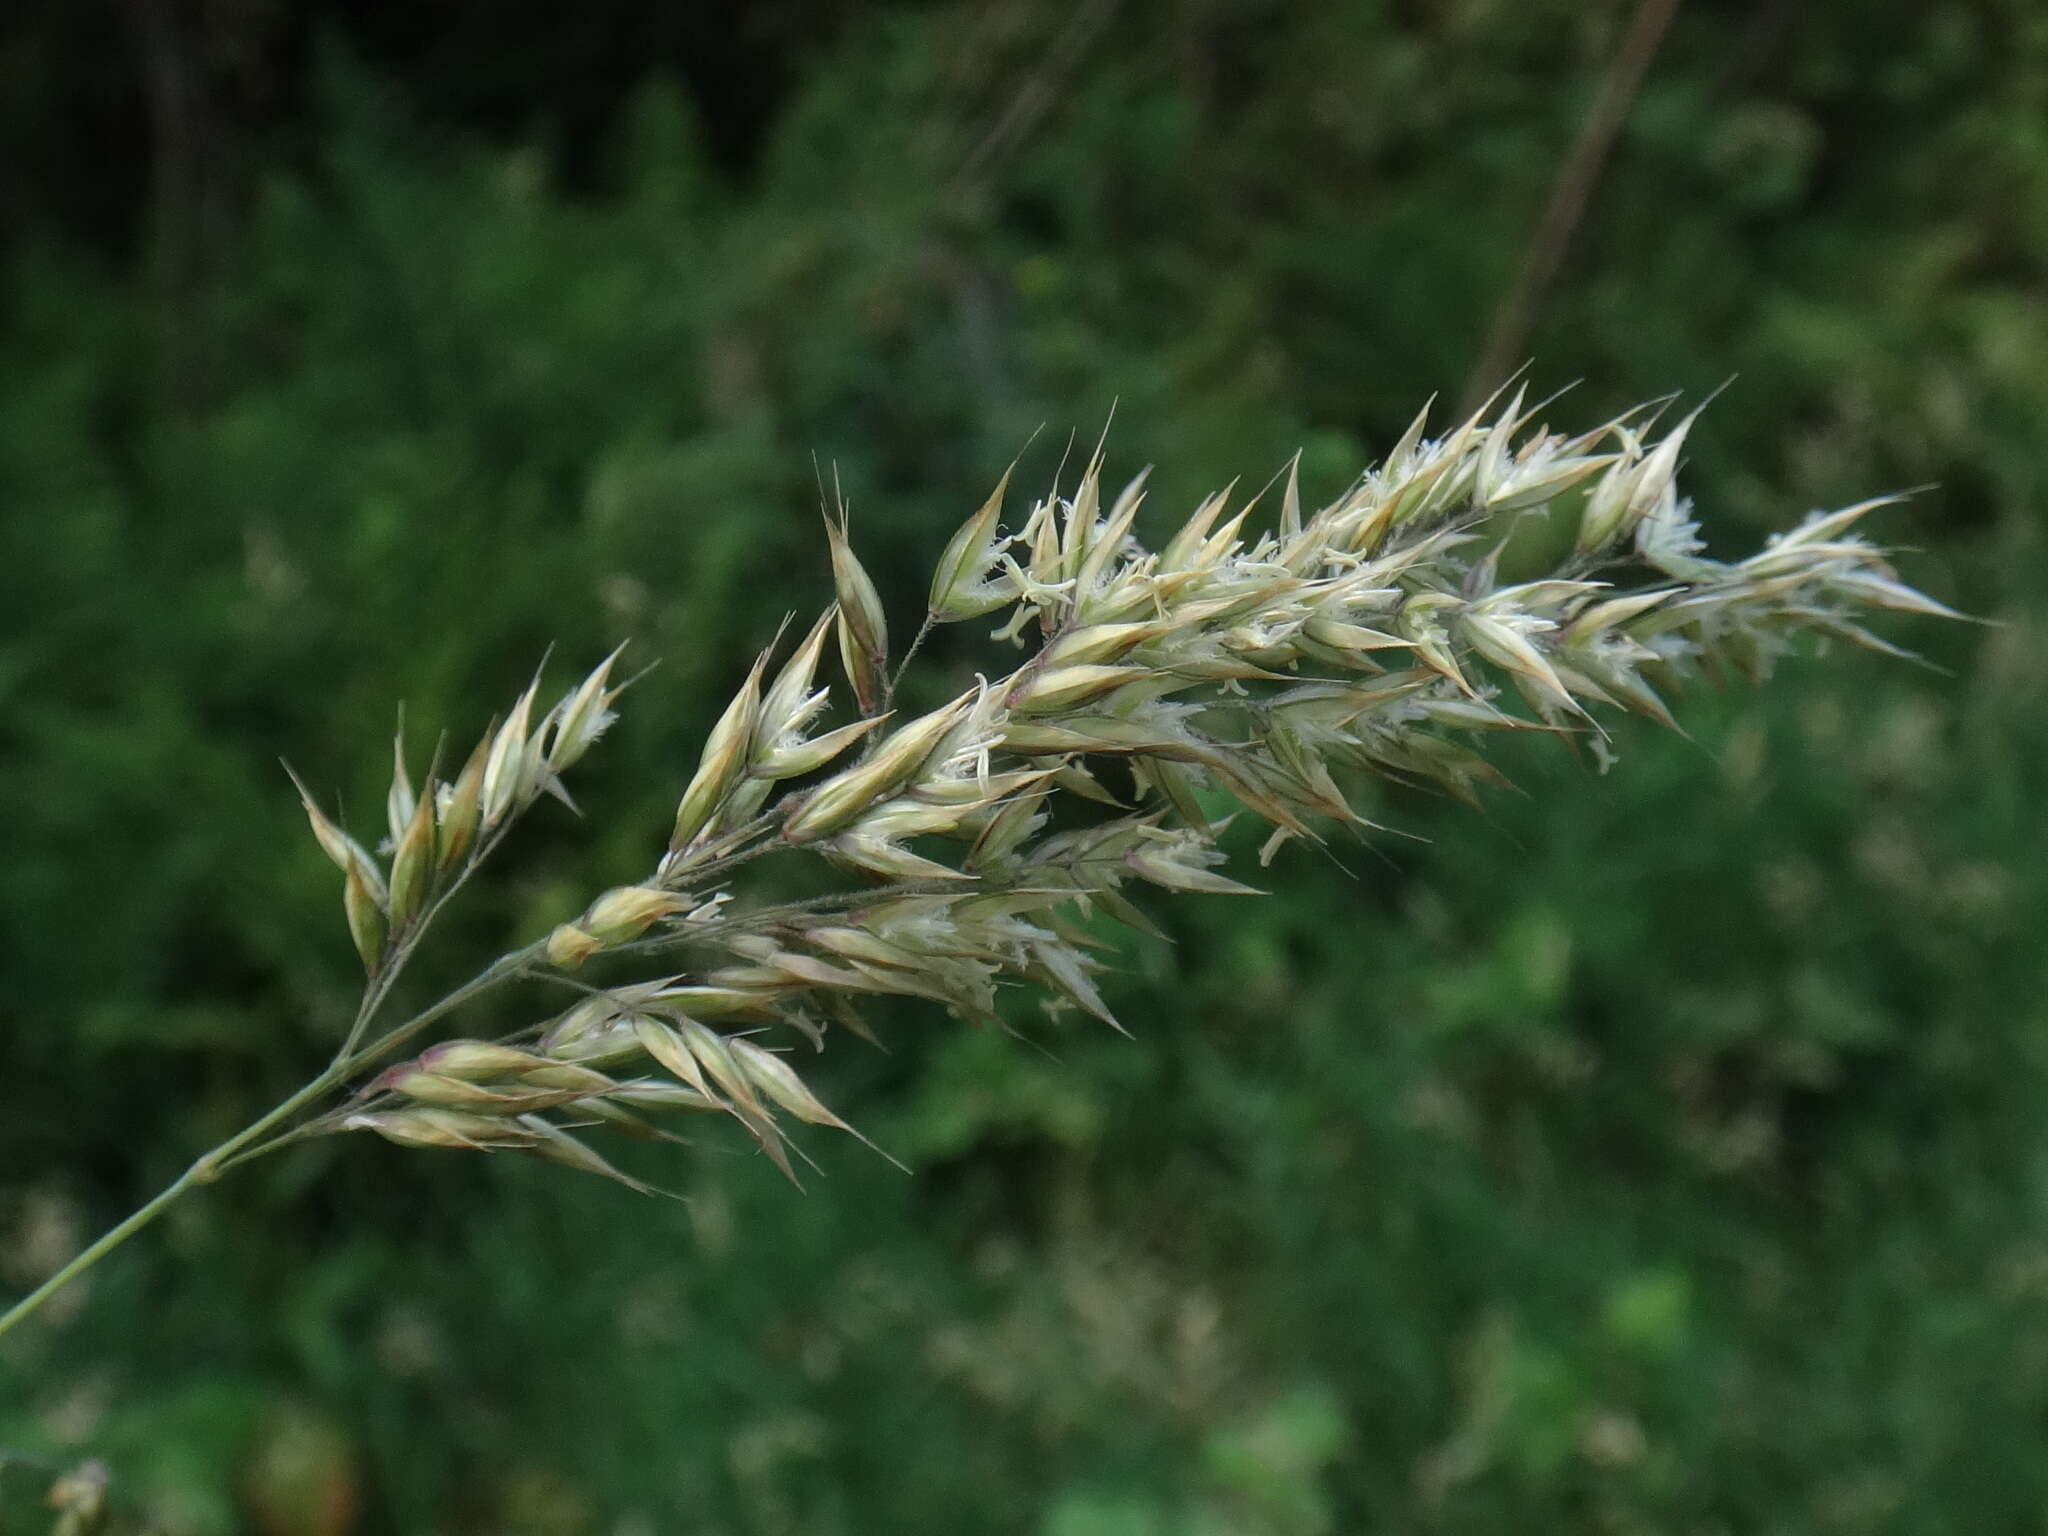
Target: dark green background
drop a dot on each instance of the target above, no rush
(1663, 1151)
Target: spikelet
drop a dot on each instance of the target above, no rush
(863, 630)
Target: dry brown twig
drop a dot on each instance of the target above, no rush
(1373, 636)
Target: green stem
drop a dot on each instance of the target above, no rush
(502, 969)
(201, 1172)
(240, 1147)
(248, 1144)
(903, 666)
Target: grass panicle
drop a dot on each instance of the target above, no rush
(1259, 662)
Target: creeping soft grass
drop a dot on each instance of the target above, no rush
(1260, 658)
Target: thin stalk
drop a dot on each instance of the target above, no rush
(500, 970)
(202, 1171)
(247, 1143)
(903, 666)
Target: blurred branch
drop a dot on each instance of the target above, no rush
(1569, 194)
(180, 177)
(1034, 96)
(206, 68)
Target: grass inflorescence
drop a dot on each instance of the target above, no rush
(1253, 663)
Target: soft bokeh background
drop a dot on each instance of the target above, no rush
(1664, 1151)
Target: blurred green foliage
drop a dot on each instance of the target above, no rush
(1663, 1152)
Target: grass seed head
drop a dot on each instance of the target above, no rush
(1243, 665)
